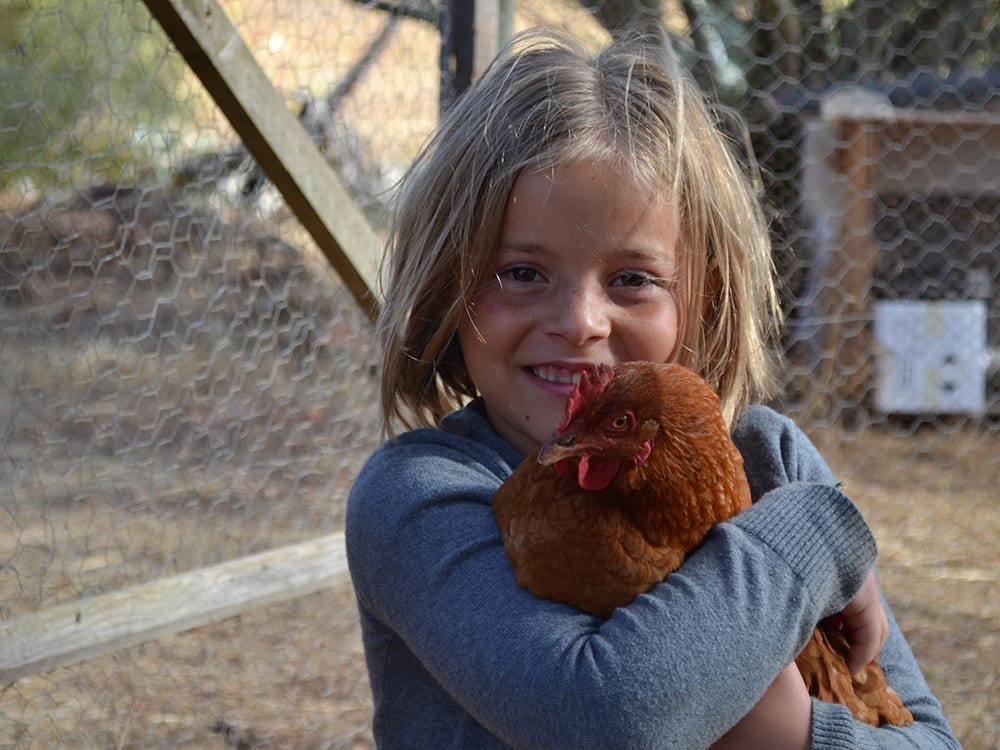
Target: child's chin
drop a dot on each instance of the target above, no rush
(547, 424)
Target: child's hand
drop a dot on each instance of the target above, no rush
(865, 624)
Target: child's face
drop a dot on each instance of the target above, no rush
(586, 272)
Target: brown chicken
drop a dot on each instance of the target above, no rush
(640, 469)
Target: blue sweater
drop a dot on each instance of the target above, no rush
(460, 657)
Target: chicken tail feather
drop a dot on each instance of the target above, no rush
(823, 665)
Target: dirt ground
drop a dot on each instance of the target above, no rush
(931, 495)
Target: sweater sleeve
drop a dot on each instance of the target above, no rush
(776, 453)
(676, 667)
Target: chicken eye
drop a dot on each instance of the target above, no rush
(621, 422)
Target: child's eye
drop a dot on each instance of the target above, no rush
(523, 274)
(634, 279)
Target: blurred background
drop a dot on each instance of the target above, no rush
(186, 381)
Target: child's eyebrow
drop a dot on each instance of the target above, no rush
(643, 257)
(656, 259)
(526, 247)
(643, 254)
(627, 253)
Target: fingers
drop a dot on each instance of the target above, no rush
(866, 624)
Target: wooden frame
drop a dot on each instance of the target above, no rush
(863, 123)
(75, 631)
(216, 53)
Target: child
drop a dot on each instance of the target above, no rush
(569, 211)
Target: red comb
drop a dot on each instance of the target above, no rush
(592, 383)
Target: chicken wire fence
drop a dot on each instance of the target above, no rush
(184, 380)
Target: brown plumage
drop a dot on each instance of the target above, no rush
(640, 469)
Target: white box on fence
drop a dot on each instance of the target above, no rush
(931, 357)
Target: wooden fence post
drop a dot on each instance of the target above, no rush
(494, 24)
(844, 296)
(215, 52)
(472, 33)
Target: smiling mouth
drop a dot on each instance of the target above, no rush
(559, 375)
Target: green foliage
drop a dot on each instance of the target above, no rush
(87, 91)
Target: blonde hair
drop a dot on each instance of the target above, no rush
(546, 101)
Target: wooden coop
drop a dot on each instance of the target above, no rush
(905, 207)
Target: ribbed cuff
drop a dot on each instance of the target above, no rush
(833, 728)
(822, 536)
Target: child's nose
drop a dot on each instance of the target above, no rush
(579, 315)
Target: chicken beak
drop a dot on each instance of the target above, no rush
(558, 448)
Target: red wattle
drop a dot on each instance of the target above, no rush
(596, 473)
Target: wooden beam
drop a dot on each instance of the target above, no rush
(74, 631)
(859, 252)
(214, 50)
(844, 293)
(493, 26)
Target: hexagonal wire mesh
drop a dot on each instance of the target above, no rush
(185, 381)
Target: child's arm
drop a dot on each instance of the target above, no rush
(779, 721)
(682, 663)
(776, 453)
